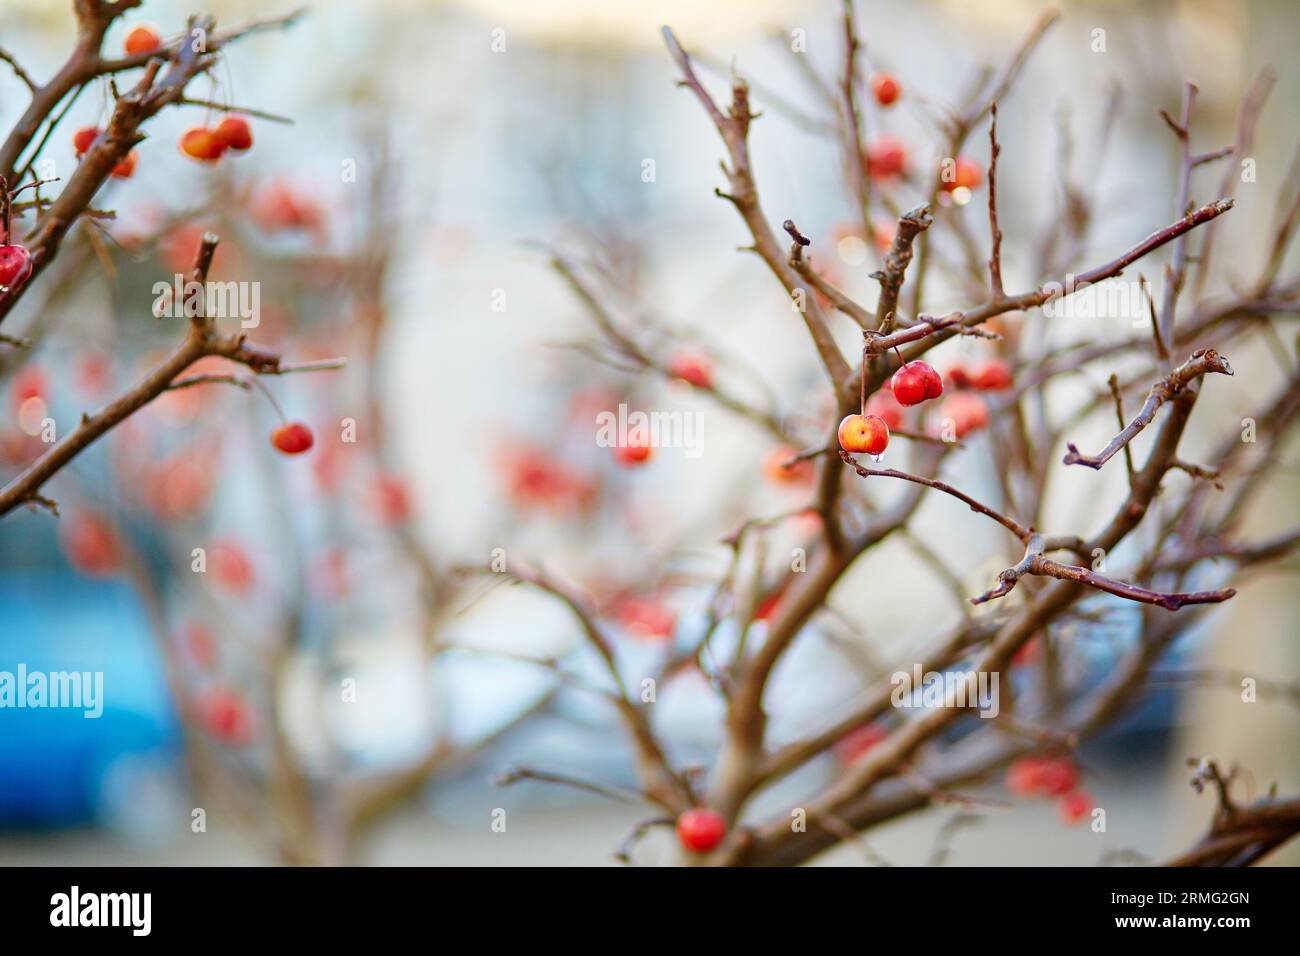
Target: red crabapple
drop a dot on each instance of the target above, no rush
(993, 375)
(84, 138)
(886, 156)
(233, 132)
(1076, 806)
(693, 368)
(700, 829)
(126, 168)
(225, 715)
(292, 438)
(92, 545)
(916, 382)
(965, 173)
(633, 452)
(885, 88)
(884, 406)
(202, 144)
(142, 39)
(864, 434)
(15, 267)
(967, 411)
(775, 470)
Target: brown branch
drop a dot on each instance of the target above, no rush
(910, 225)
(1238, 836)
(995, 257)
(1034, 563)
(733, 127)
(203, 339)
(1177, 272)
(1015, 527)
(1202, 362)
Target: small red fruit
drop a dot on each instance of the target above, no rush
(883, 405)
(965, 172)
(202, 144)
(775, 470)
(633, 452)
(645, 617)
(29, 382)
(392, 499)
(700, 830)
(15, 267)
(235, 133)
(225, 715)
(864, 434)
(885, 88)
(959, 377)
(142, 39)
(692, 368)
(915, 383)
(92, 545)
(231, 567)
(967, 411)
(1058, 775)
(126, 168)
(992, 376)
(292, 438)
(858, 741)
(1076, 805)
(886, 156)
(84, 138)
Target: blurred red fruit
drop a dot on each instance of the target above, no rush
(279, 206)
(126, 168)
(233, 132)
(91, 544)
(700, 830)
(858, 741)
(225, 715)
(292, 438)
(692, 368)
(883, 233)
(645, 617)
(967, 411)
(958, 376)
(29, 382)
(392, 499)
(885, 407)
(633, 452)
(801, 472)
(886, 157)
(199, 644)
(964, 172)
(84, 138)
(914, 383)
(537, 480)
(885, 88)
(992, 376)
(1076, 806)
(92, 373)
(231, 567)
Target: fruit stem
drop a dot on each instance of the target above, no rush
(256, 380)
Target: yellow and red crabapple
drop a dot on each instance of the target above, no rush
(202, 144)
(916, 382)
(700, 829)
(864, 434)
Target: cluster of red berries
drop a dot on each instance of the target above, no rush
(868, 433)
(1056, 777)
(209, 144)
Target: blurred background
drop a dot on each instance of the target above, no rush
(440, 156)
